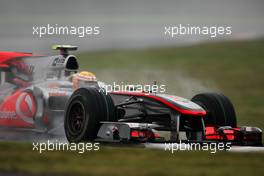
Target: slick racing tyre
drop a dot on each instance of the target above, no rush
(86, 108)
(220, 111)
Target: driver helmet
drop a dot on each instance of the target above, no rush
(83, 79)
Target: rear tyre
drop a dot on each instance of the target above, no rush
(84, 111)
(220, 111)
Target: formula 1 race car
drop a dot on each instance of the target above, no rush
(138, 117)
(43, 92)
(34, 89)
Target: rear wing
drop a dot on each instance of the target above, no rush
(6, 56)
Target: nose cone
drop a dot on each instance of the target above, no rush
(183, 105)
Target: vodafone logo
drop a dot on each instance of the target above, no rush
(25, 107)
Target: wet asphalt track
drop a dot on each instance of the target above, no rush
(24, 135)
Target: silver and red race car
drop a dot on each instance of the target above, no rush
(137, 117)
(40, 92)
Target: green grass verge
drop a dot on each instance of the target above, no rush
(127, 161)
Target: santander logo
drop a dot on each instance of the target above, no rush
(25, 107)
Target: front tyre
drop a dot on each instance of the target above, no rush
(220, 111)
(84, 111)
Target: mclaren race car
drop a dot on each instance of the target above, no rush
(93, 114)
(42, 92)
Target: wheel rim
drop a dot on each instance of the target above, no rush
(76, 118)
